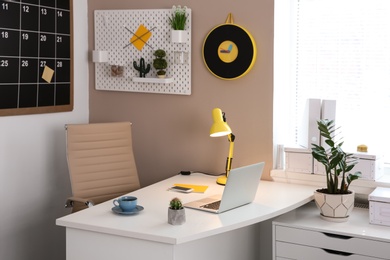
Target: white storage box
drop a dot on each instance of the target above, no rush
(370, 165)
(298, 160)
(379, 201)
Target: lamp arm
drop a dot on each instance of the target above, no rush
(231, 138)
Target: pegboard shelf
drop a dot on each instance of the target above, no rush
(121, 34)
(153, 80)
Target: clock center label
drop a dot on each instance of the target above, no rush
(227, 51)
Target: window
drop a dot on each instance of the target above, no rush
(339, 50)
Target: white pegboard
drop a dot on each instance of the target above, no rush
(111, 35)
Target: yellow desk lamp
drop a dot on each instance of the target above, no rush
(221, 128)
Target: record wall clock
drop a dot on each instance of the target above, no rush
(229, 51)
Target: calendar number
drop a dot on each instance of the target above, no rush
(4, 35)
(24, 63)
(4, 63)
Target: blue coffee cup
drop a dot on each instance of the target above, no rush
(126, 203)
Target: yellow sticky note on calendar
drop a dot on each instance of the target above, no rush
(47, 74)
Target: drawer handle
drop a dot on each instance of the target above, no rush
(337, 236)
(334, 252)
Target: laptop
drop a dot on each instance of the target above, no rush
(240, 189)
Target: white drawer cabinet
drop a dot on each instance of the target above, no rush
(294, 251)
(303, 235)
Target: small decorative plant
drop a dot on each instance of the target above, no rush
(175, 204)
(141, 68)
(178, 17)
(159, 63)
(176, 212)
(338, 163)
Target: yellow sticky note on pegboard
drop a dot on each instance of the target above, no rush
(140, 37)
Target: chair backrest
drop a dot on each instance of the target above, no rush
(101, 161)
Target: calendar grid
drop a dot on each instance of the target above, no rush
(35, 56)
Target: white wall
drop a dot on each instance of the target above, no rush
(34, 180)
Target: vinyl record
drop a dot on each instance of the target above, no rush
(229, 51)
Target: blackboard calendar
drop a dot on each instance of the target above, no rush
(35, 56)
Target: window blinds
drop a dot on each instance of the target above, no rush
(341, 51)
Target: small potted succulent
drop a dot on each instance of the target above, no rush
(160, 63)
(178, 20)
(338, 165)
(176, 212)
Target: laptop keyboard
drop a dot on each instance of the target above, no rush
(213, 205)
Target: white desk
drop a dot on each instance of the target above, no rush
(98, 233)
(302, 234)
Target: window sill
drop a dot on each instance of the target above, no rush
(360, 186)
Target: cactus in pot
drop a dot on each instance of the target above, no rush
(176, 212)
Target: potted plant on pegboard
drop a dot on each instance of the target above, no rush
(178, 20)
(176, 212)
(160, 63)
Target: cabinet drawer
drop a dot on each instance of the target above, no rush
(299, 252)
(334, 242)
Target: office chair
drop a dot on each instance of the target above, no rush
(101, 163)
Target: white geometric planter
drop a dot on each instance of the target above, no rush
(335, 207)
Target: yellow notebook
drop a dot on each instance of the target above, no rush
(196, 188)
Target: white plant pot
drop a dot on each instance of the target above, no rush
(179, 36)
(335, 207)
(176, 216)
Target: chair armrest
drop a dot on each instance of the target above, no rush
(71, 200)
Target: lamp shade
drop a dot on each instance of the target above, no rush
(219, 127)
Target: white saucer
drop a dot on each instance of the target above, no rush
(338, 220)
(118, 210)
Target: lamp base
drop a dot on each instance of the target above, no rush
(222, 180)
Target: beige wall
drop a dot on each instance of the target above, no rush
(170, 131)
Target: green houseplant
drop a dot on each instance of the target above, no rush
(178, 18)
(160, 63)
(338, 166)
(178, 21)
(176, 213)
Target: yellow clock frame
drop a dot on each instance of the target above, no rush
(229, 51)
